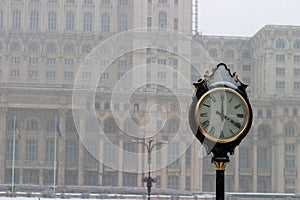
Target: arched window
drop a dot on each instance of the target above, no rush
(263, 132)
(105, 22)
(33, 47)
(70, 124)
(70, 21)
(69, 49)
(15, 47)
(122, 22)
(32, 125)
(110, 126)
(173, 126)
(34, 20)
(87, 22)
(1, 19)
(286, 111)
(16, 20)
(50, 125)
(229, 54)
(213, 53)
(289, 130)
(297, 45)
(130, 127)
(52, 20)
(51, 48)
(162, 20)
(86, 49)
(280, 44)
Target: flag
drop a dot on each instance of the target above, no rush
(58, 130)
(18, 132)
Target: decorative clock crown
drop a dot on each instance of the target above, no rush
(221, 73)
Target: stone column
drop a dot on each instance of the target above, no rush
(3, 115)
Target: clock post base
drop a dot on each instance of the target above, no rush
(220, 164)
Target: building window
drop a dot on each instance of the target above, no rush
(260, 113)
(162, 61)
(246, 80)
(51, 48)
(246, 54)
(49, 157)
(34, 20)
(161, 75)
(149, 22)
(71, 177)
(175, 24)
(162, 1)
(87, 22)
(15, 60)
(188, 183)
(89, 159)
(247, 68)
(173, 182)
(213, 53)
(68, 75)
(269, 114)
(110, 125)
(295, 112)
(15, 47)
(71, 152)
(33, 47)
(52, 1)
(31, 150)
(296, 58)
(1, 19)
(289, 131)
(105, 22)
(123, 2)
(110, 178)
(14, 73)
(280, 57)
(16, 21)
(162, 20)
(32, 73)
(122, 23)
(50, 74)
(70, 21)
(106, 2)
(290, 161)
(280, 71)
(296, 71)
(69, 61)
(51, 61)
(9, 149)
(88, 1)
(33, 61)
(262, 132)
(173, 126)
(243, 158)
(286, 112)
(32, 125)
(289, 147)
(280, 84)
(229, 54)
(262, 158)
(52, 20)
(188, 157)
(297, 45)
(296, 85)
(280, 44)
(110, 154)
(86, 75)
(104, 76)
(173, 153)
(70, 1)
(122, 63)
(69, 48)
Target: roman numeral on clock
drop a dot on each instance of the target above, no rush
(212, 131)
(205, 124)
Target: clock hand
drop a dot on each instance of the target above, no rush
(222, 108)
(237, 124)
(221, 115)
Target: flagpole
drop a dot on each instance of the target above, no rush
(13, 158)
(54, 167)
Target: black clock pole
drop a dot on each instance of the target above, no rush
(220, 163)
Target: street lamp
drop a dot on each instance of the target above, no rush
(149, 180)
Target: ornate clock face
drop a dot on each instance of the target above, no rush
(222, 115)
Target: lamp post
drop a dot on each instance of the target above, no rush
(149, 180)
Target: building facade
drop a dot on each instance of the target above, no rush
(43, 44)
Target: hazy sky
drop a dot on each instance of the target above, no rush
(245, 17)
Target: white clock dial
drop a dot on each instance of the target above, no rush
(222, 114)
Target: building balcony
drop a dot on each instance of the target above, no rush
(290, 171)
(264, 172)
(246, 171)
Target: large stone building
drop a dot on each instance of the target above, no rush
(43, 45)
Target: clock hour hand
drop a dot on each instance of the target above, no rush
(221, 115)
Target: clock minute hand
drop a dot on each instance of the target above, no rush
(222, 108)
(237, 124)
